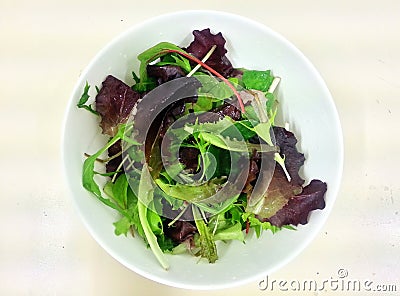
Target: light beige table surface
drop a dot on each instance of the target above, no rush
(44, 46)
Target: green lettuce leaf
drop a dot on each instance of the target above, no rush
(259, 80)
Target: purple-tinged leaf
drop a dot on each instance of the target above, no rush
(180, 231)
(203, 41)
(293, 159)
(165, 73)
(299, 207)
(114, 103)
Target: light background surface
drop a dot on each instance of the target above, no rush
(44, 46)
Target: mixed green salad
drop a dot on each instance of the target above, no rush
(194, 155)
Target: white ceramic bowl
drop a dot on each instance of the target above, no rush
(306, 105)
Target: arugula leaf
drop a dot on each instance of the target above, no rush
(84, 98)
(223, 227)
(191, 193)
(263, 131)
(120, 191)
(219, 133)
(272, 107)
(235, 145)
(174, 202)
(244, 127)
(235, 214)
(166, 244)
(259, 80)
(258, 115)
(223, 161)
(213, 87)
(110, 174)
(208, 163)
(212, 127)
(145, 197)
(133, 211)
(155, 222)
(217, 208)
(148, 56)
(202, 104)
(125, 223)
(122, 226)
(176, 60)
(122, 194)
(135, 77)
(259, 226)
(88, 173)
(233, 232)
(236, 82)
(211, 94)
(208, 249)
(213, 133)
